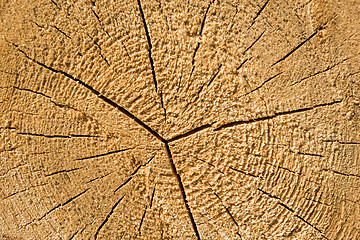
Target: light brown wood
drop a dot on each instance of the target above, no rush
(179, 119)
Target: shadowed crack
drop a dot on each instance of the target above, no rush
(236, 123)
(107, 217)
(182, 190)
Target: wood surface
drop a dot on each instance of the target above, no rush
(180, 119)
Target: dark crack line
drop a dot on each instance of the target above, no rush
(152, 197)
(104, 154)
(319, 72)
(245, 173)
(62, 171)
(301, 110)
(283, 168)
(150, 45)
(268, 194)
(142, 220)
(56, 136)
(162, 104)
(23, 190)
(55, 4)
(341, 173)
(258, 14)
(302, 219)
(300, 45)
(341, 142)
(214, 76)
(133, 173)
(198, 43)
(252, 44)
(58, 206)
(102, 27)
(60, 31)
(210, 164)
(308, 154)
(97, 93)
(182, 190)
(100, 177)
(226, 208)
(107, 217)
(242, 64)
(204, 19)
(189, 133)
(261, 85)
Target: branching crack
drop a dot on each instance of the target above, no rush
(232, 124)
(107, 217)
(182, 190)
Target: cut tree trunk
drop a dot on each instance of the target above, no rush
(180, 119)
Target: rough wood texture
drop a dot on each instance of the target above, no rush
(180, 119)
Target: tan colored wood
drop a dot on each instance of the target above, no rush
(179, 119)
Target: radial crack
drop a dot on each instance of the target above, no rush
(260, 119)
(262, 84)
(150, 45)
(107, 217)
(298, 46)
(189, 133)
(96, 92)
(256, 40)
(227, 210)
(56, 136)
(133, 173)
(104, 154)
(58, 206)
(182, 190)
(258, 14)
